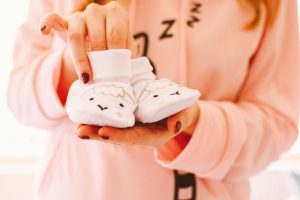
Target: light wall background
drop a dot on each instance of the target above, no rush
(15, 140)
(21, 147)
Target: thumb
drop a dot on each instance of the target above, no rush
(183, 120)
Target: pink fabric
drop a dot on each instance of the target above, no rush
(249, 82)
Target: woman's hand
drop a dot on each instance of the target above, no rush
(102, 27)
(152, 135)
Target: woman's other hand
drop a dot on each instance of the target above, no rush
(151, 135)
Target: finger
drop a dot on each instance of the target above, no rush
(76, 41)
(116, 26)
(95, 21)
(79, 125)
(182, 120)
(139, 135)
(52, 21)
(87, 132)
(132, 46)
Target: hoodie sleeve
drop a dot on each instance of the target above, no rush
(37, 60)
(234, 140)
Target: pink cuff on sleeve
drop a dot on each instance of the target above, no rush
(199, 156)
(46, 85)
(184, 160)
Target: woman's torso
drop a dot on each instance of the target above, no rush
(198, 43)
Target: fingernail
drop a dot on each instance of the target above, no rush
(177, 127)
(104, 137)
(138, 49)
(43, 27)
(85, 137)
(85, 77)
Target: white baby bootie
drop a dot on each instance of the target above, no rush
(157, 98)
(109, 100)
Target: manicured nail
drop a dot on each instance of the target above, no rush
(43, 27)
(177, 127)
(138, 49)
(85, 77)
(104, 137)
(85, 137)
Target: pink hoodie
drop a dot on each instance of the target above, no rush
(249, 82)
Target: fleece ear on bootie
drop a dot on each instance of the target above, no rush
(157, 99)
(109, 100)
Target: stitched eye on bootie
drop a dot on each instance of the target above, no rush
(175, 93)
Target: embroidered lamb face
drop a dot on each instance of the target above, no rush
(106, 99)
(109, 98)
(162, 98)
(160, 91)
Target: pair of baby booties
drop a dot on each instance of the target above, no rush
(123, 91)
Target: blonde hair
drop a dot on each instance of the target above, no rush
(255, 6)
(86, 3)
(272, 7)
